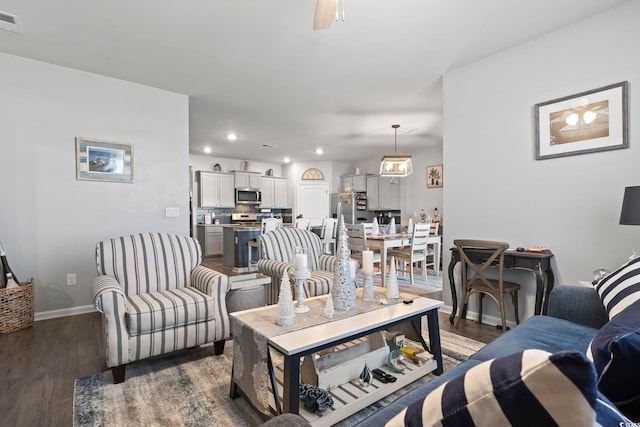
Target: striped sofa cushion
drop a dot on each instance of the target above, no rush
(279, 245)
(157, 311)
(149, 262)
(621, 288)
(532, 387)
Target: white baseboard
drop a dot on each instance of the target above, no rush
(64, 312)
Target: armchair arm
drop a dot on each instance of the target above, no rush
(106, 290)
(111, 301)
(217, 285)
(580, 304)
(274, 269)
(327, 262)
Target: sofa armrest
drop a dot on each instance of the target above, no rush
(579, 304)
(106, 290)
(111, 301)
(327, 262)
(274, 269)
(216, 285)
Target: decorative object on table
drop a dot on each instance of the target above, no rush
(286, 312)
(391, 227)
(329, 310)
(368, 294)
(300, 273)
(343, 290)
(315, 398)
(393, 292)
(396, 165)
(376, 227)
(587, 122)
(434, 176)
(98, 160)
(365, 379)
(395, 360)
(410, 226)
(423, 216)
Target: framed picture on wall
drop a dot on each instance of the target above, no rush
(587, 122)
(98, 160)
(435, 177)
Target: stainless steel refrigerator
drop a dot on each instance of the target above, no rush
(355, 211)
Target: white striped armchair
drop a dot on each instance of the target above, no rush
(277, 255)
(156, 298)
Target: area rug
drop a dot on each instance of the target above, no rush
(191, 388)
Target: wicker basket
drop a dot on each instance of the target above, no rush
(16, 308)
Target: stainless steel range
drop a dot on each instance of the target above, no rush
(245, 218)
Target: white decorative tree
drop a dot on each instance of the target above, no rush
(286, 312)
(343, 290)
(393, 292)
(328, 308)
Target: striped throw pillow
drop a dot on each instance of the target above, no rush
(620, 289)
(532, 387)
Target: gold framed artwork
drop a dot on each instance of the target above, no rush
(98, 160)
(435, 176)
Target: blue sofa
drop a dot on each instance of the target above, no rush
(575, 314)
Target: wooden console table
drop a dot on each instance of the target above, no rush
(539, 263)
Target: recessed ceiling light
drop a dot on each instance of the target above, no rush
(319, 151)
(232, 136)
(207, 150)
(287, 160)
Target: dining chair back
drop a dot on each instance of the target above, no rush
(267, 224)
(477, 258)
(328, 234)
(270, 224)
(357, 241)
(416, 253)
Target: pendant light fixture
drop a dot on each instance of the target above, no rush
(397, 165)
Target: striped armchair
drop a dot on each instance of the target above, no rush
(156, 298)
(277, 255)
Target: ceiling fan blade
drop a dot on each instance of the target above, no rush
(325, 14)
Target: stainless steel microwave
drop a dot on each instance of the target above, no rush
(248, 196)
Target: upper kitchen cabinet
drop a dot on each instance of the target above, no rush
(274, 192)
(382, 194)
(216, 189)
(357, 183)
(247, 179)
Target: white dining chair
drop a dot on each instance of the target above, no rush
(357, 241)
(328, 235)
(416, 254)
(302, 223)
(266, 225)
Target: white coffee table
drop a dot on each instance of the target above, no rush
(296, 342)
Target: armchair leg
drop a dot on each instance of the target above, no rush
(218, 347)
(118, 373)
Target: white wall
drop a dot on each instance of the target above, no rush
(495, 189)
(49, 221)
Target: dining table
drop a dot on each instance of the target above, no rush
(384, 242)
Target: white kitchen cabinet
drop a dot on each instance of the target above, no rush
(382, 194)
(274, 192)
(216, 189)
(247, 179)
(210, 238)
(356, 182)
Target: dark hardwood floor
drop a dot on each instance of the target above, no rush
(38, 365)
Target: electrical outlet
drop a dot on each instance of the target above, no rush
(172, 212)
(71, 279)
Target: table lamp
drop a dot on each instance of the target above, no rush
(630, 214)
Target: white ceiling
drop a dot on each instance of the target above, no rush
(257, 68)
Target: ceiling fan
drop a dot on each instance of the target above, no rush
(326, 12)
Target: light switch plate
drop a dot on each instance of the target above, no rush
(172, 212)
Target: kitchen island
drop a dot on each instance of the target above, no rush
(235, 241)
